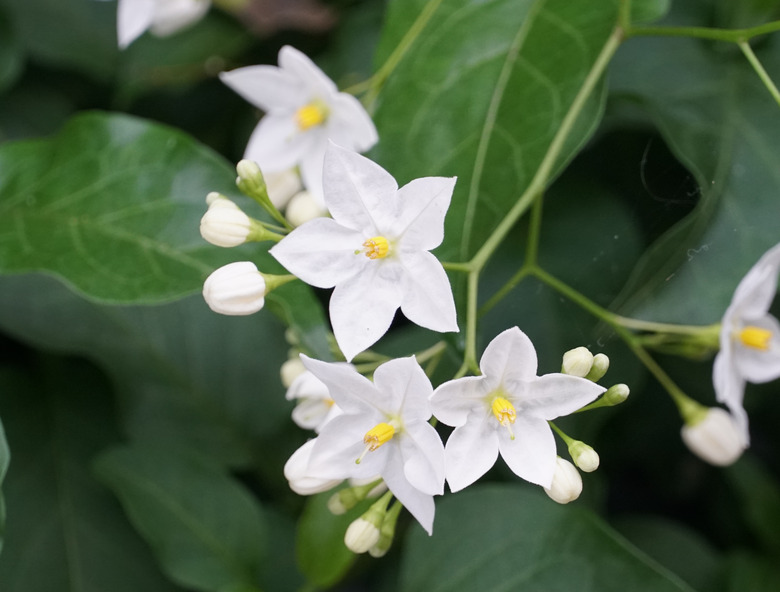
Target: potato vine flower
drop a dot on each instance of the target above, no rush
(749, 338)
(374, 251)
(161, 17)
(303, 110)
(382, 431)
(506, 410)
(314, 407)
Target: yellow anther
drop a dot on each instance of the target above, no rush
(376, 247)
(505, 414)
(375, 437)
(310, 115)
(755, 337)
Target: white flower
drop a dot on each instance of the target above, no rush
(383, 431)
(300, 481)
(303, 110)
(714, 436)
(566, 484)
(506, 410)
(161, 17)
(315, 406)
(302, 207)
(224, 224)
(749, 338)
(235, 289)
(374, 251)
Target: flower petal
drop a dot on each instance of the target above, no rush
(133, 18)
(173, 15)
(471, 450)
(312, 164)
(276, 144)
(353, 392)
(454, 400)
(406, 387)
(427, 294)
(419, 211)
(321, 253)
(755, 292)
(423, 457)
(349, 125)
(340, 444)
(362, 307)
(355, 187)
(554, 395)
(300, 66)
(419, 504)
(267, 87)
(296, 472)
(756, 365)
(531, 455)
(510, 356)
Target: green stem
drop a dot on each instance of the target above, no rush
(641, 325)
(566, 439)
(762, 74)
(728, 35)
(466, 267)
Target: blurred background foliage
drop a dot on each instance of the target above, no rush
(147, 435)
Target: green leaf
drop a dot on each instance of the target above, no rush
(205, 529)
(723, 125)
(5, 459)
(643, 11)
(759, 494)
(505, 537)
(743, 571)
(186, 375)
(485, 108)
(111, 204)
(64, 530)
(322, 555)
(10, 52)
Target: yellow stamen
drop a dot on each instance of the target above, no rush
(505, 414)
(310, 115)
(755, 337)
(376, 247)
(375, 437)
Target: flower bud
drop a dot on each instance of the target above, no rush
(304, 207)
(282, 186)
(577, 362)
(584, 456)
(250, 180)
(615, 395)
(599, 368)
(224, 224)
(297, 474)
(714, 437)
(567, 483)
(362, 534)
(291, 370)
(386, 532)
(235, 289)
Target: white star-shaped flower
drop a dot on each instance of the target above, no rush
(303, 110)
(506, 410)
(374, 250)
(749, 338)
(161, 17)
(383, 431)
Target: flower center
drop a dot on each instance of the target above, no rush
(376, 247)
(311, 115)
(375, 437)
(755, 337)
(505, 413)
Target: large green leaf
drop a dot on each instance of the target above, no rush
(65, 531)
(485, 107)
(505, 537)
(206, 530)
(186, 375)
(10, 51)
(724, 126)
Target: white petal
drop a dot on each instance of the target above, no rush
(419, 504)
(355, 188)
(295, 471)
(554, 395)
(303, 69)
(349, 125)
(173, 15)
(756, 365)
(406, 388)
(276, 144)
(133, 18)
(420, 209)
(471, 450)
(362, 307)
(427, 299)
(510, 356)
(267, 87)
(321, 253)
(454, 400)
(353, 392)
(531, 455)
(340, 444)
(755, 292)
(312, 163)
(423, 455)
